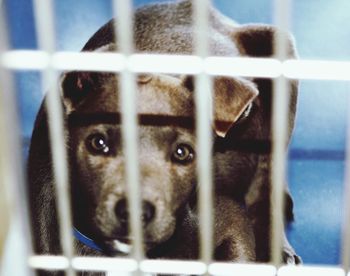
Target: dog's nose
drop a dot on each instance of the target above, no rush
(148, 211)
(121, 211)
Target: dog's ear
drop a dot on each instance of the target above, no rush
(231, 98)
(257, 40)
(75, 86)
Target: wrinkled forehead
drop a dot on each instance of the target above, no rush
(156, 94)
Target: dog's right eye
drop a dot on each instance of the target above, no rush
(97, 144)
(183, 154)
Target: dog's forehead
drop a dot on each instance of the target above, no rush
(163, 94)
(163, 136)
(155, 94)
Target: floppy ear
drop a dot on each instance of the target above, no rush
(231, 98)
(257, 40)
(75, 86)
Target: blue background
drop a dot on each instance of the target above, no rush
(316, 160)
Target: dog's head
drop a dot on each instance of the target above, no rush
(166, 149)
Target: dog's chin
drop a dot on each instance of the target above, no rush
(123, 246)
(118, 246)
(119, 242)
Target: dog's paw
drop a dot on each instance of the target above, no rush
(290, 257)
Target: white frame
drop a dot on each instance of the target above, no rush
(128, 64)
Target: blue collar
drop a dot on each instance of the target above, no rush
(85, 240)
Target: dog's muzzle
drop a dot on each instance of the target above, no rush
(122, 214)
(120, 243)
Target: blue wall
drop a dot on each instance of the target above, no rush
(316, 167)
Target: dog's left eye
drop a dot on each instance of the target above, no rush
(183, 154)
(97, 144)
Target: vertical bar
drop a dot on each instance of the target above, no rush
(44, 16)
(6, 200)
(203, 100)
(124, 31)
(204, 167)
(345, 245)
(11, 163)
(279, 134)
(278, 170)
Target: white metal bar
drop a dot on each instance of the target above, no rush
(48, 262)
(150, 266)
(243, 66)
(203, 102)
(44, 19)
(89, 61)
(124, 31)
(278, 163)
(118, 264)
(146, 266)
(11, 163)
(82, 263)
(201, 27)
(345, 245)
(279, 135)
(44, 23)
(173, 267)
(310, 270)
(105, 264)
(228, 269)
(282, 19)
(154, 63)
(25, 60)
(204, 168)
(220, 66)
(317, 69)
(178, 267)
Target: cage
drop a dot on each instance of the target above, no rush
(311, 158)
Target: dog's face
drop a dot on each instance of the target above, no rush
(166, 156)
(166, 150)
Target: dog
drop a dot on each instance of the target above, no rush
(167, 151)
(167, 172)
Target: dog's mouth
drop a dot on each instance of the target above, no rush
(118, 246)
(122, 246)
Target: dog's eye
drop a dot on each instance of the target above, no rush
(183, 154)
(97, 144)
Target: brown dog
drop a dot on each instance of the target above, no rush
(167, 153)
